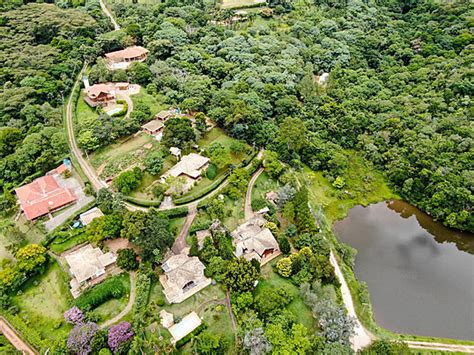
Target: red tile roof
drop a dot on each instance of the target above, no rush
(42, 196)
(59, 170)
(95, 90)
(127, 53)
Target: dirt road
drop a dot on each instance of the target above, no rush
(362, 337)
(97, 184)
(180, 243)
(109, 15)
(14, 338)
(248, 196)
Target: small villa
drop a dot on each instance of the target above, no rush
(165, 115)
(100, 94)
(190, 168)
(123, 58)
(45, 194)
(88, 266)
(153, 127)
(183, 277)
(252, 241)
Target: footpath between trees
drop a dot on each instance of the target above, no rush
(14, 338)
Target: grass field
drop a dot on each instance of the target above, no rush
(236, 4)
(270, 280)
(60, 248)
(83, 110)
(154, 102)
(218, 135)
(263, 185)
(113, 307)
(44, 300)
(364, 185)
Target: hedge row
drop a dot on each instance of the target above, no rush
(112, 287)
(144, 203)
(175, 212)
(203, 192)
(180, 343)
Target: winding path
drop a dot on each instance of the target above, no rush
(248, 196)
(128, 307)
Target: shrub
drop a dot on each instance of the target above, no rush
(129, 180)
(211, 172)
(74, 315)
(110, 288)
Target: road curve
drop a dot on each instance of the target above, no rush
(109, 15)
(128, 307)
(248, 195)
(96, 183)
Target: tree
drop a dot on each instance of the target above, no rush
(388, 347)
(129, 180)
(156, 237)
(139, 73)
(207, 343)
(31, 257)
(80, 338)
(104, 227)
(74, 315)
(178, 132)
(218, 155)
(292, 341)
(127, 259)
(118, 335)
(284, 244)
(272, 165)
(284, 267)
(109, 202)
(154, 163)
(240, 275)
(256, 342)
(201, 124)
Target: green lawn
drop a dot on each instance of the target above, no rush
(218, 135)
(176, 224)
(263, 185)
(154, 102)
(234, 213)
(60, 248)
(44, 300)
(83, 111)
(364, 185)
(270, 280)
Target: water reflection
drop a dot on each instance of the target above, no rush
(420, 274)
(464, 241)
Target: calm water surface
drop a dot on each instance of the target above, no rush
(420, 274)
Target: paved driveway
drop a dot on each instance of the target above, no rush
(82, 200)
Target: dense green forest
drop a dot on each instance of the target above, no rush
(399, 88)
(43, 49)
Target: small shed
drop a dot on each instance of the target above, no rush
(87, 217)
(167, 319)
(175, 151)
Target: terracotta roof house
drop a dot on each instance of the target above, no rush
(87, 217)
(123, 58)
(87, 264)
(252, 241)
(153, 127)
(100, 94)
(183, 277)
(42, 196)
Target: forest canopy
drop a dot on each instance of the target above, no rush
(399, 90)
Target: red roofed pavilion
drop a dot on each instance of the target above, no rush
(42, 196)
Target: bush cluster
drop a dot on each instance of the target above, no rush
(111, 288)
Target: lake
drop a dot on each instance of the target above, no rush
(420, 274)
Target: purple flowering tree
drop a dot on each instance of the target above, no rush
(74, 315)
(119, 334)
(80, 338)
